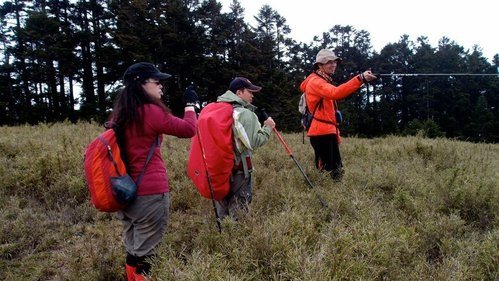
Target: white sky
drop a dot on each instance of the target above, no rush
(465, 22)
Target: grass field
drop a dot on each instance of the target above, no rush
(408, 208)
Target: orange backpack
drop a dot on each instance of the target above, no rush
(111, 188)
(211, 157)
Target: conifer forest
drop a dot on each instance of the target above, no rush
(63, 60)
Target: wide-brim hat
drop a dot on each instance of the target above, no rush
(325, 55)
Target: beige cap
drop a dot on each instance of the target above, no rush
(325, 55)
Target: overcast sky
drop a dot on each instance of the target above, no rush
(465, 22)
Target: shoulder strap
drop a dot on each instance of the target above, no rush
(246, 151)
(319, 103)
(246, 156)
(120, 138)
(235, 105)
(149, 156)
(110, 154)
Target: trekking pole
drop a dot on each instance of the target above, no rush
(435, 74)
(290, 153)
(219, 226)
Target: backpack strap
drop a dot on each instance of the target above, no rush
(319, 103)
(245, 155)
(149, 156)
(322, 120)
(121, 143)
(110, 155)
(334, 101)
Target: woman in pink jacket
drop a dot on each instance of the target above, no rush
(142, 119)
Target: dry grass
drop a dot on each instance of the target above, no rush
(409, 208)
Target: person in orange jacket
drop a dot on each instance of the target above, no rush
(321, 96)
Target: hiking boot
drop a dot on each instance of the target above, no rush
(337, 174)
(140, 277)
(130, 272)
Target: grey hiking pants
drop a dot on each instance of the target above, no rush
(144, 223)
(236, 203)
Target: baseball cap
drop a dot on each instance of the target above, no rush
(241, 83)
(325, 55)
(142, 71)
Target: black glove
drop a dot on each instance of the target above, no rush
(190, 97)
(261, 114)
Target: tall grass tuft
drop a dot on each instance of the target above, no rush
(408, 208)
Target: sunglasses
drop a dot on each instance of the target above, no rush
(155, 82)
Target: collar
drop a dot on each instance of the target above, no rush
(324, 75)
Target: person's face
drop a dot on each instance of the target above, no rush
(246, 95)
(153, 88)
(329, 67)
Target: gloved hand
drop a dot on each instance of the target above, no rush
(261, 114)
(191, 97)
(266, 119)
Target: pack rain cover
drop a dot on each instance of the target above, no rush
(214, 137)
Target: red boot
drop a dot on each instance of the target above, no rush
(130, 272)
(140, 277)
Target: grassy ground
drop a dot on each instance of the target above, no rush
(409, 208)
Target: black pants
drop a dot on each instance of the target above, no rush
(327, 155)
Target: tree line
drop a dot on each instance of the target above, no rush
(63, 60)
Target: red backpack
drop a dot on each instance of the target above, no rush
(102, 162)
(111, 188)
(211, 157)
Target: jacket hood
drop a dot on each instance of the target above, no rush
(230, 97)
(303, 85)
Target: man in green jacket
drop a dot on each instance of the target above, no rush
(248, 135)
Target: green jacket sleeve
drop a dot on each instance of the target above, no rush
(257, 134)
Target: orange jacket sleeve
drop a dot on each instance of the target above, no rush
(317, 88)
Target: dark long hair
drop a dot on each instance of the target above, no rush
(128, 103)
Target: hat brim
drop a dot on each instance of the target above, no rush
(254, 88)
(161, 76)
(329, 59)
